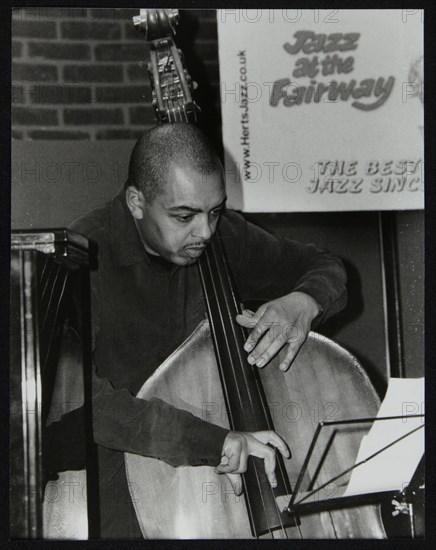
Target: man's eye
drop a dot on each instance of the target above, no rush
(184, 218)
(217, 212)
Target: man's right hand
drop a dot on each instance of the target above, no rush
(238, 446)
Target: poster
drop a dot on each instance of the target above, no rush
(322, 109)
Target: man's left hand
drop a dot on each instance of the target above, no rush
(287, 319)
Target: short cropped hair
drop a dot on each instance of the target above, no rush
(155, 149)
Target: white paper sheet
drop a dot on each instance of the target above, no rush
(392, 469)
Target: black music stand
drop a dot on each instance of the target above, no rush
(404, 501)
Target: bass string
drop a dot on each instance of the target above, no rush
(206, 274)
(231, 311)
(226, 288)
(217, 287)
(206, 270)
(256, 377)
(237, 354)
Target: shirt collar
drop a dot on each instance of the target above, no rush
(126, 244)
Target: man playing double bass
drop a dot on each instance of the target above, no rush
(147, 299)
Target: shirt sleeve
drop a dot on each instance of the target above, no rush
(266, 267)
(152, 427)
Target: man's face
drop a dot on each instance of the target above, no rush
(179, 223)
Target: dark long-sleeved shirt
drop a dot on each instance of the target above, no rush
(144, 307)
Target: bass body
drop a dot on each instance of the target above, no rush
(325, 382)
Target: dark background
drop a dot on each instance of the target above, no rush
(80, 96)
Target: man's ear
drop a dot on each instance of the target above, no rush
(135, 202)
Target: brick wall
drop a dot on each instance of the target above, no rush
(81, 73)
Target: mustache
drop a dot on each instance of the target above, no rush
(201, 244)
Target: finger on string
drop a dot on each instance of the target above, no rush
(270, 466)
(248, 318)
(223, 469)
(230, 462)
(245, 320)
(224, 460)
(274, 439)
(267, 353)
(261, 346)
(261, 327)
(243, 461)
(293, 349)
(236, 483)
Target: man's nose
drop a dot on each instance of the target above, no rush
(203, 229)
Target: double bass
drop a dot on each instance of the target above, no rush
(209, 376)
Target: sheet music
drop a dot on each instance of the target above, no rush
(394, 467)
